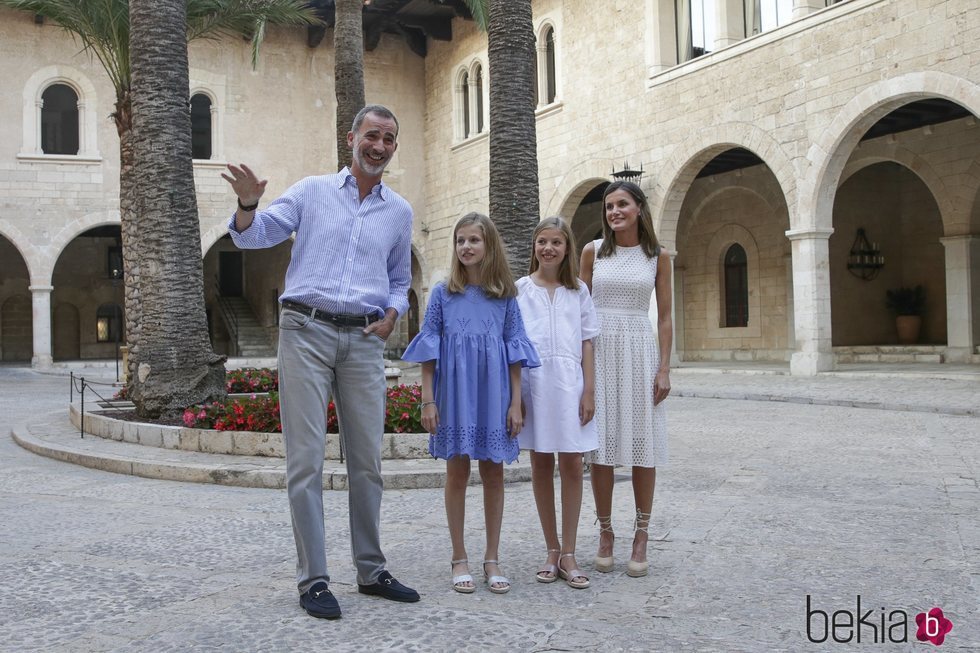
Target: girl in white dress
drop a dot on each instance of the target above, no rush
(623, 270)
(560, 395)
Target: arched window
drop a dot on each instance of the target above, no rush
(736, 287)
(545, 68)
(550, 84)
(59, 120)
(470, 105)
(201, 127)
(478, 97)
(463, 105)
(108, 323)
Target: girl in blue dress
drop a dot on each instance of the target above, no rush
(472, 347)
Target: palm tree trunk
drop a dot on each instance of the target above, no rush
(127, 221)
(177, 367)
(348, 48)
(514, 194)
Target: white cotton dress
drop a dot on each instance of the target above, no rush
(632, 431)
(556, 324)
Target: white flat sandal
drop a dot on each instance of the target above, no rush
(462, 578)
(548, 569)
(570, 575)
(495, 580)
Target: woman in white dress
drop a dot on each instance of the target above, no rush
(623, 270)
(559, 396)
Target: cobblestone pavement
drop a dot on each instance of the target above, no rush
(765, 503)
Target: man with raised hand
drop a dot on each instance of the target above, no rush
(346, 284)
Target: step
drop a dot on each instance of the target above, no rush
(54, 437)
(856, 357)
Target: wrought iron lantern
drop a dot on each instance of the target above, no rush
(865, 260)
(628, 174)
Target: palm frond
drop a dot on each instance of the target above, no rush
(215, 18)
(102, 26)
(479, 9)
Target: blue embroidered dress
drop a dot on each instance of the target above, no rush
(473, 339)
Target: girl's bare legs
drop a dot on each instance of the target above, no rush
(570, 470)
(492, 475)
(457, 479)
(602, 490)
(644, 481)
(543, 483)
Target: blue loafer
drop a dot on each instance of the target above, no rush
(319, 602)
(389, 588)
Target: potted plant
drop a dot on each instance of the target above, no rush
(908, 304)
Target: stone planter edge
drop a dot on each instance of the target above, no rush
(240, 443)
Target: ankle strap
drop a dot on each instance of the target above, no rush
(605, 524)
(641, 518)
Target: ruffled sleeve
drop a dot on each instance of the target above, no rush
(426, 345)
(519, 346)
(590, 321)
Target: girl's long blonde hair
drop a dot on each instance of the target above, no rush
(495, 277)
(568, 270)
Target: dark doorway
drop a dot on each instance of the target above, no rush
(230, 274)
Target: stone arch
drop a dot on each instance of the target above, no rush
(71, 230)
(584, 225)
(831, 150)
(574, 184)
(212, 235)
(29, 253)
(916, 164)
(691, 155)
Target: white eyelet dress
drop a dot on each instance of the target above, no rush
(632, 431)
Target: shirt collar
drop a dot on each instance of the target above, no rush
(345, 176)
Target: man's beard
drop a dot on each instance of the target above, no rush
(369, 166)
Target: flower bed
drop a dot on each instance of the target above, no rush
(251, 380)
(261, 413)
(243, 381)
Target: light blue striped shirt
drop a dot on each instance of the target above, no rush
(348, 256)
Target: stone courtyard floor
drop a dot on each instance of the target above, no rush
(863, 483)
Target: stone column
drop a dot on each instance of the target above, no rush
(541, 81)
(790, 313)
(41, 324)
(962, 296)
(661, 45)
(677, 311)
(803, 8)
(811, 301)
(476, 103)
(730, 23)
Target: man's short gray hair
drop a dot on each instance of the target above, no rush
(377, 110)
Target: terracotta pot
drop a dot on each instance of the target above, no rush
(908, 327)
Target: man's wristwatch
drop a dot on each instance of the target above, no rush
(249, 207)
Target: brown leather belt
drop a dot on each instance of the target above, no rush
(330, 318)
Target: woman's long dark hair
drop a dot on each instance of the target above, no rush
(648, 238)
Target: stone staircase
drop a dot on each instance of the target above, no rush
(890, 354)
(251, 338)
